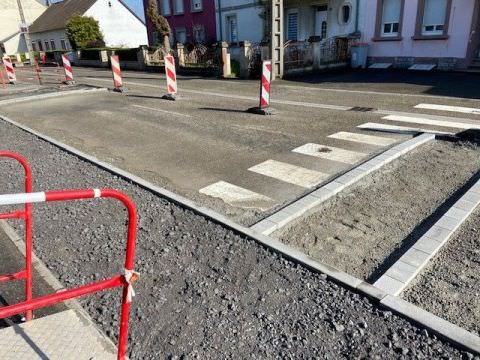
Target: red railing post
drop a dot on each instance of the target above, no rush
(125, 280)
(27, 215)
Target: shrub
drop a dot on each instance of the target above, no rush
(81, 30)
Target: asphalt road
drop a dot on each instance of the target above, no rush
(204, 146)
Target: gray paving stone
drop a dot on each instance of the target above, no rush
(389, 285)
(415, 257)
(402, 271)
(465, 205)
(457, 213)
(448, 223)
(473, 197)
(372, 291)
(334, 186)
(427, 245)
(438, 233)
(322, 194)
(265, 227)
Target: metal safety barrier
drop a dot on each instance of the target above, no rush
(26, 215)
(124, 280)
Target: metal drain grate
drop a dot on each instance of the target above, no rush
(361, 109)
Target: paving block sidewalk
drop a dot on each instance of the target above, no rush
(65, 335)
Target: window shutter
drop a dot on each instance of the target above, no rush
(391, 11)
(435, 11)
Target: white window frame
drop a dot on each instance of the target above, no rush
(437, 29)
(390, 33)
(340, 13)
(196, 9)
(53, 44)
(63, 44)
(201, 29)
(47, 45)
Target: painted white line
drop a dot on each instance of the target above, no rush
(362, 138)
(240, 97)
(160, 110)
(425, 121)
(330, 153)
(398, 129)
(237, 196)
(290, 173)
(460, 109)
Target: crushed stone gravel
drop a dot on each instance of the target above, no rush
(364, 229)
(205, 292)
(450, 285)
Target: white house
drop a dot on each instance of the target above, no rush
(239, 20)
(120, 26)
(12, 40)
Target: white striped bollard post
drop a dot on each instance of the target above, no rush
(171, 76)
(265, 82)
(117, 74)
(11, 76)
(67, 67)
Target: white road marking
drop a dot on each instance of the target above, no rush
(237, 196)
(160, 110)
(330, 153)
(380, 66)
(425, 121)
(362, 138)
(460, 109)
(290, 173)
(398, 129)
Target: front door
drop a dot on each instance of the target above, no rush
(321, 21)
(473, 51)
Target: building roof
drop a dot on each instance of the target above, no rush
(57, 15)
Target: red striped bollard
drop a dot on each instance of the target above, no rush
(67, 67)
(12, 78)
(117, 74)
(43, 58)
(171, 78)
(265, 81)
(2, 77)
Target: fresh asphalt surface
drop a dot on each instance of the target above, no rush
(205, 136)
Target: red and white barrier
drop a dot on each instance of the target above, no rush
(171, 75)
(67, 66)
(265, 84)
(117, 73)
(12, 77)
(43, 58)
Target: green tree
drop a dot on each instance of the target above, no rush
(159, 23)
(82, 31)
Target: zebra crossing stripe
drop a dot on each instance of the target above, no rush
(237, 196)
(398, 129)
(460, 109)
(425, 121)
(330, 153)
(290, 173)
(362, 138)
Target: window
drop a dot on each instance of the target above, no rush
(34, 46)
(63, 44)
(434, 17)
(199, 35)
(40, 46)
(391, 17)
(178, 6)
(345, 13)
(324, 30)
(165, 7)
(47, 46)
(181, 35)
(292, 25)
(232, 33)
(52, 44)
(197, 5)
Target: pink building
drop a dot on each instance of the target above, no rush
(406, 32)
(192, 21)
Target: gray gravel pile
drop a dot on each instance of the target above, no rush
(450, 285)
(205, 292)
